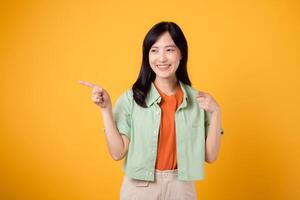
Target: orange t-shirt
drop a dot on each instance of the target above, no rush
(166, 151)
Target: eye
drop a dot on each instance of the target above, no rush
(153, 50)
(170, 50)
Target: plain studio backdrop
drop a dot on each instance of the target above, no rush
(244, 53)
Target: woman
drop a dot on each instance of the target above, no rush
(164, 128)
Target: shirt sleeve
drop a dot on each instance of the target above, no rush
(207, 123)
(122, 114)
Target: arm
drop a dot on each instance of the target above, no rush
(213, 139)
(117, 143)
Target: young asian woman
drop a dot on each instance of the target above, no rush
(163, 127)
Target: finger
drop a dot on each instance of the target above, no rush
(101, 100)
(201, 93)
(96, 97)
(98, 100)
(91, 85)
(97, 90)
(201, 101)
(201, 98)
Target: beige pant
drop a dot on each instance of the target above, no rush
(166, 186)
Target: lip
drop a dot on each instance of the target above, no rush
(163, 67)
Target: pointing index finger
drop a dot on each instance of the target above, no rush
(91, 85)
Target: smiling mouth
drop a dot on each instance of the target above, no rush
(163, 67)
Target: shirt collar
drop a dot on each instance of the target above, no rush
(154, 97)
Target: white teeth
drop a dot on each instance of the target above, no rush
(163, 66)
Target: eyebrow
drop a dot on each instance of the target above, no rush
(165, 46)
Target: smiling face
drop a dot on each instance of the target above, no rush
(164, 57)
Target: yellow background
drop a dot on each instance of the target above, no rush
(244, 53)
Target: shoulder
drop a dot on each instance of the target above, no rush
(191, 92)
(128, 94)
(126, 97)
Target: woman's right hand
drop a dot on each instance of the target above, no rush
(99, 95)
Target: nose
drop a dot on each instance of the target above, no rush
(162, 57)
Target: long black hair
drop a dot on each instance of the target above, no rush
(143, 83)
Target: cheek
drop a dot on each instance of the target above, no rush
(175, 58)
(151, 59)
(176, 61)
(151, 64)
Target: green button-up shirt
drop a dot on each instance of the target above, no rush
(141, 126)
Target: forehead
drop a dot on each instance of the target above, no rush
(165, 40)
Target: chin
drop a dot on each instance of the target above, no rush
(164, 76)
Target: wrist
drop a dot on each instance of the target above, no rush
(106, 111)
(216, 112)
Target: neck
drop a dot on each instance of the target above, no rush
(167, 86)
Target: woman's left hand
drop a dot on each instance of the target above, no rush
(207, 102)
